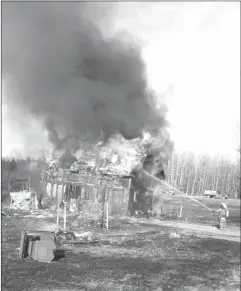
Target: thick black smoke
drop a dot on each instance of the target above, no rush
(57, 63)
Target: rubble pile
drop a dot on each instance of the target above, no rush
(23, 200)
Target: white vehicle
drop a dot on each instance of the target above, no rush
(210, 193)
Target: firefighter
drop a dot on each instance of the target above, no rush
(223, 213)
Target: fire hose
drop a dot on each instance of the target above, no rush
(161, 181)
(191, 198)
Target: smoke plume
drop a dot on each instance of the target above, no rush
(59, 65)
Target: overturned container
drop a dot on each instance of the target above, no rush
(39, 245)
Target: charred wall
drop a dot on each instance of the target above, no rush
(141, 193)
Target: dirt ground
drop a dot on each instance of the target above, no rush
(139, 254)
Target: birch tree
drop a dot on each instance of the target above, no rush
(192, 175)
(195, 174)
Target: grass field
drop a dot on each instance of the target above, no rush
(138, 257)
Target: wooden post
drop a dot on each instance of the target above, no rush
(62, 194)
(129, 185)
(29, 180)
(65, 215)
(57, 194)
(180, 215)
(57, 216)
(52, 188)
(130, 198)
(107, 214)
(152, 200)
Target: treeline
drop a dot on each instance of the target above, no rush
(189, 173)
(195, 174)
(13, 169)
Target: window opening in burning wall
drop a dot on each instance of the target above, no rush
(86, 195)
(78, 191)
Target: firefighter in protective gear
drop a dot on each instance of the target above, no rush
(223, 213)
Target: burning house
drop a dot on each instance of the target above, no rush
(86, 188)
(87, 180)
(80, 78)
(108, 173)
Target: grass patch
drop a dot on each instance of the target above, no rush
(136, 258)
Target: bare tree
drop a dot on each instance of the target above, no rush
(9, 171)
(195, 175)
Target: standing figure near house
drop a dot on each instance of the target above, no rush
(223, 213)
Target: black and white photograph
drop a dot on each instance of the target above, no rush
(120, 146)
